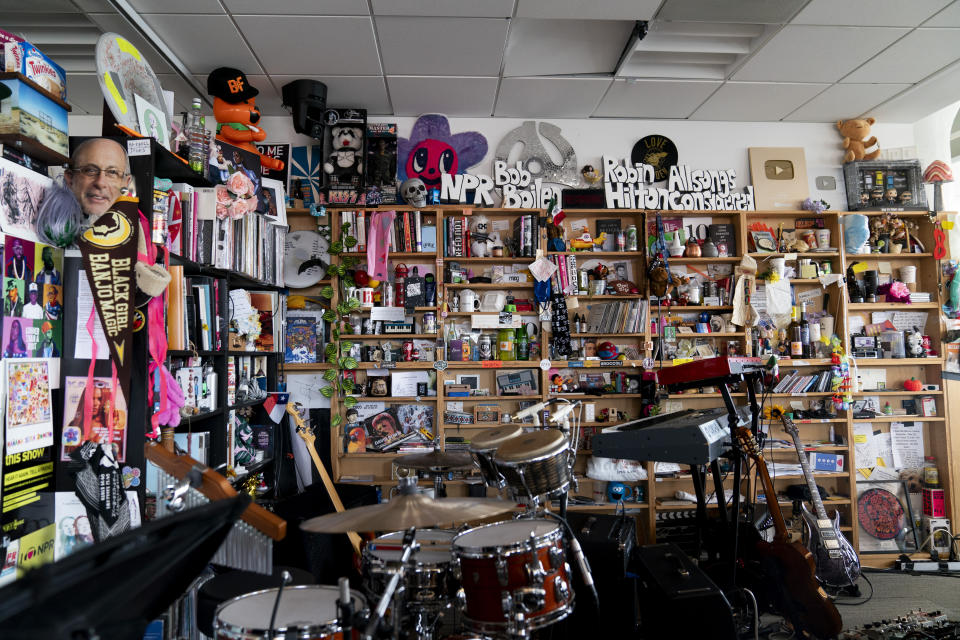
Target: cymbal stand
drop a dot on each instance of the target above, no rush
(410, 547)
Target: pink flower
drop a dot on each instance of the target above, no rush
(222, 211)
(238, 209)
(240, 184)
(900, 290)
(223, 195)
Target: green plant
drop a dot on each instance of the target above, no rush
(337, 353)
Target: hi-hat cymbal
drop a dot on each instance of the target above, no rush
(436, 460)
(407, 510)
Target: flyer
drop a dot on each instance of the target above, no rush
(106, 404)
(29, 411)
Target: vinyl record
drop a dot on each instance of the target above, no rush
(305, 259)
(657, 151)
(880, 514)
(123, 72)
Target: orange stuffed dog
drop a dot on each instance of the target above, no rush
(235, 108)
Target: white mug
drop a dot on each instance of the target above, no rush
(823, 238)
(469, 301)
(366, 297)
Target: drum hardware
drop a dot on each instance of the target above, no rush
(285, 579)
(175, 495)
(410, 547)
(345, 607)
(437, 463)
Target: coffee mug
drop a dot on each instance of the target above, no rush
(366, 297)
(823, 238)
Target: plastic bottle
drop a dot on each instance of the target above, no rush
(196, 136)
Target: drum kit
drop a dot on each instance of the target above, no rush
(501, 580)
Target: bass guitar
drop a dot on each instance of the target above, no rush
(306, 434)
(788, 567)
(836, 559)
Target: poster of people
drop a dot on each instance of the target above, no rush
(32, 299)
(106, 405)
(29, 411)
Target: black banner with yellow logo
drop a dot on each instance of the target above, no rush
(109, 250)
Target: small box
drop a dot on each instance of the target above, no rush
(934, 503)
(831, 462)
(928, 406)
(457, 390)
(26, 59)
(29, 113)
(455, 351)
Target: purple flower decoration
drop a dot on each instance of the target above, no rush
(431, 150)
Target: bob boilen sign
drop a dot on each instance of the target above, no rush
(520, 190)
(626, 187)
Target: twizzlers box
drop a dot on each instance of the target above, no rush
(23, 57)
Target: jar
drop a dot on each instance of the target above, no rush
(931, 475)
(506, 345)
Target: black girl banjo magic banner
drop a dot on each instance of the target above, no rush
(109, 250)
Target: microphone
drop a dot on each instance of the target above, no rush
(533, 411)
(584, 568)
(561, 414)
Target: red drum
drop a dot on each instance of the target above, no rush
(514, 576)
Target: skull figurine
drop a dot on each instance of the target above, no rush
(414, 192)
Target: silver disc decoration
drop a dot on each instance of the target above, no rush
(534, 156)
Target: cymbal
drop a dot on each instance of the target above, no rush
(405, 511)
(436, 460)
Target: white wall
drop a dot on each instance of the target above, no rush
(701, 145)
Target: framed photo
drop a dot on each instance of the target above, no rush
(472, 381)
(486, 413)
(275, 200)
(763, 241)
(153, 121)
(885, 185)
(885, 518)
(517, 383)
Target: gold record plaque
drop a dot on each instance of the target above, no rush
(657, 151)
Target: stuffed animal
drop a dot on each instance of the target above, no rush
(482, 239)
(235, 108)
(345, 160)
(855, 139)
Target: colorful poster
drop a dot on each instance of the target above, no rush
(27, 492)
(106, 404)
(29, 411)
(279, 152)
(33, 300)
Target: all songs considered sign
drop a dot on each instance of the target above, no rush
(109, 250)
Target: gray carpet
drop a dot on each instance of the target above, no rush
(897, 594)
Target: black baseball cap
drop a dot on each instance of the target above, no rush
(230, 85)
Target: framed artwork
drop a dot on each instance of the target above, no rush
(486, 413)
(153, 121)
(885, 518)
(275, 200)
(517, 383)
(763, 241)
(471, 380)
(884, 186)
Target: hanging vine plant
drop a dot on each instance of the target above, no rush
(337, 352)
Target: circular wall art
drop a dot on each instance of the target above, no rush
(123, 74)
(657, 151)
(305, 259)
(880, 514)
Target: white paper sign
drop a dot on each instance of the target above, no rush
(83, 350)
(778, 297)
(387, 314)
(809, 295)
(864, 452)
(907, 443)
(884, 448)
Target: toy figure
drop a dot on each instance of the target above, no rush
(482, 240)
(345, 160)
(915, 343)
(234, 107)
(906, 197)
(891, 196)
(864, 199)
(855, 139)
(876, 196)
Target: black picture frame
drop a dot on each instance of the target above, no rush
(860, 178)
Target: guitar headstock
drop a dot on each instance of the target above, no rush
(747, 442)
(299, 414)
(788, 426)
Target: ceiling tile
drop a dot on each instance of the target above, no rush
(94, 6)
(816, 54)
(204, 43)
(549, 97)
(595, 10)
(868, 13)
(467, 97)
(563, 47)
(654, 98)
(299, 7)
(184, 93)
(922, 99)
(458, 8)
(441, 46)
(752, 11)
(83, 90)
(842, 101)
(115, 23)
(37, 6)
(177, 6)
(755, 101)
(949, 17)
(312, 45)
(912, 58)
(366, 92)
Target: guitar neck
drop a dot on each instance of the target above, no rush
(805, 465)
(746, 439)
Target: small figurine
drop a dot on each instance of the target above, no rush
(346, 157)
(876, 196)
(864, 199)
(887, 409)
(906, 197)
(891, 196)
(782, 343)
(583, 243)
(915, 344)
(482, 239)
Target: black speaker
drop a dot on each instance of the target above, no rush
(308, 100)
(677, 599)
(607, 542)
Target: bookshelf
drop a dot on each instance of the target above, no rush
(376, 468)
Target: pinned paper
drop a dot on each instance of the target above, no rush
(864, 451)
(778, 297)
(789, 256)
(884, 267)
(907, 444)
(830, 278)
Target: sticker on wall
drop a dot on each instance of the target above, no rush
(657, 151)
(535, 157)
(431, 150)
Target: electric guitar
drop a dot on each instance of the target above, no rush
(836, 559)
(306, 434)
(788, 567)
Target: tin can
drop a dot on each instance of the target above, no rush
(621, 241)
(429, 323)
(583, 281)
(386, 295)
(408, 351)
(533, 350)
(632, 238)
(826, 267)
(925, 341)
(486, 347)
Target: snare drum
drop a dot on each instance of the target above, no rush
(306, 612)
(484, 445)
(513, 567)
(431, 580)
(536, 463)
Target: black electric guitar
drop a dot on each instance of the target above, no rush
(788, 568)
(837, 561)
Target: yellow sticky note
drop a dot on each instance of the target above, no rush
(865, 472)
(947, 225)
(880, 462)
(860, 438)
(677, 361)
(860, 267)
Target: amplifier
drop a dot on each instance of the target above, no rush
(677, 599)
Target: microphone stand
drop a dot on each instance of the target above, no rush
(410, 547)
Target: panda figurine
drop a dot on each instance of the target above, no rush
(345, 161)
(482, 239)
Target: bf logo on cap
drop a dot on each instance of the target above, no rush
(236, 84)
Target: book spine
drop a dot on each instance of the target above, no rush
(417, 226)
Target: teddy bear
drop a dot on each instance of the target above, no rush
(855, 139)
(482, 239)
(345, 159)
(235, 108)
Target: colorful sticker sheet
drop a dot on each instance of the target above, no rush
(29, 411)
